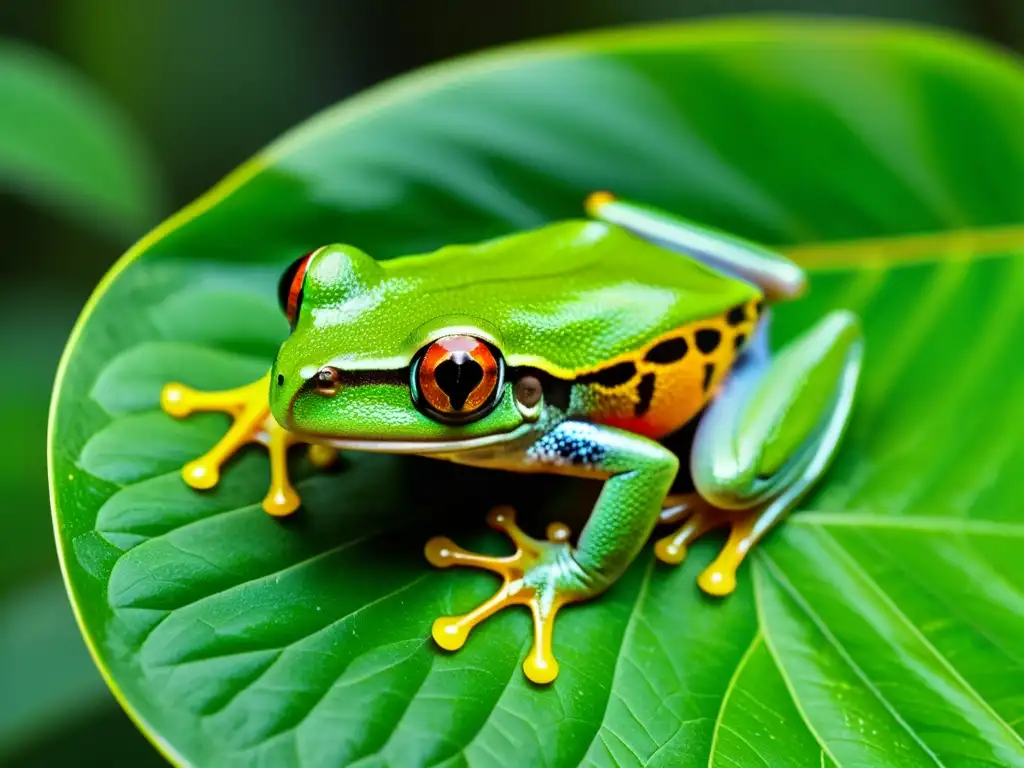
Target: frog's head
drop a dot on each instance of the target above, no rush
(361, 370)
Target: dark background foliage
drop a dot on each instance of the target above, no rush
(208, 83)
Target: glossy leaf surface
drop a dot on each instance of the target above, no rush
(880, 625)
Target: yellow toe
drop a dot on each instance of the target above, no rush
(558, 532)
(281, 502)
(541, 669)
(200, 475)
(450, 633)
(439, 551)
(717, 581)
(669, 551)
(322, 456)
(174, 400)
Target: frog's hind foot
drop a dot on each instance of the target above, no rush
(719, 578)
(752, 471)
(253, 423)
(541, 575)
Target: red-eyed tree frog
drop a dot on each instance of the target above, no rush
(573, 349)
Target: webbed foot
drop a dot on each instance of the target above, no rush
(541, 575)
(249, 408)
(719, 578)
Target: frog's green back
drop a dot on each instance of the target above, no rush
(565, 298)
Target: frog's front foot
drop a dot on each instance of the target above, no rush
(719, 578)
(540, 574)
(253, 423)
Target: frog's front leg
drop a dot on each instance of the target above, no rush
(249, 407)
(546, 575)
(766, 438)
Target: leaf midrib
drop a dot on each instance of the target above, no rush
(882, 595)
(951, 605)
(755, 643)
(917, 248)
(965, 526)
(766, 638)
(823, 628)
(641, 596)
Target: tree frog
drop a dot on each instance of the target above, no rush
(573, 348)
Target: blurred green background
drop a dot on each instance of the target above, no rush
(205, 84)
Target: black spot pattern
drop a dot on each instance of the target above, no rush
(668, 351)
(708, 340)
(709, 373)
(736, 315)
(615, 376)
(567, 445)
(759, 307)
(645, 389)
(739, 340)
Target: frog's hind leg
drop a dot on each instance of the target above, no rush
(768, 436)
(778, 277)
(253, 423)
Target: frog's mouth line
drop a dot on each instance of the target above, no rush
(423, 447)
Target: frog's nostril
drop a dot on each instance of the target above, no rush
(458, 377)
(280, 379)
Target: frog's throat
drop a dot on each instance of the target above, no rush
(418, 447)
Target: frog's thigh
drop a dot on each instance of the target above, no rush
(771, 433)
(778, 277)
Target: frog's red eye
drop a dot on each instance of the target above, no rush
(289, 289)
(457, 377)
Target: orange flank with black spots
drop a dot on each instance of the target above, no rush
(659, 387)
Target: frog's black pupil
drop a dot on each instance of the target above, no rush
(457, 377)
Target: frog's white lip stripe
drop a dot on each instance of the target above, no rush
(419, 446)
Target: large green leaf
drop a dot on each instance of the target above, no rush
(880, 625)
(63, 143)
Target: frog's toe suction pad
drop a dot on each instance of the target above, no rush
(532, 576)
(719, 578)
(322, 456)
(201, 475)
(253, 423)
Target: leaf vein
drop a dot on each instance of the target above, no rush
(844, 654)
